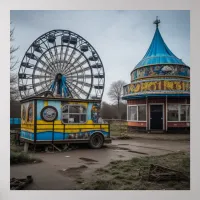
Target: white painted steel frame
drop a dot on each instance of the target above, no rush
(137, 113)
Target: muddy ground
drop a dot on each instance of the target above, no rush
(68, 170)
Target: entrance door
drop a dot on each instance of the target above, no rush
(156, 117)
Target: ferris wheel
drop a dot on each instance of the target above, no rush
(63, 63)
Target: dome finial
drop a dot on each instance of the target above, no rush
(157, 21)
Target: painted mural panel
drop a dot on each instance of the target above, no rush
(160, 70)
(157, 87)
(27, 112)
(95, 112)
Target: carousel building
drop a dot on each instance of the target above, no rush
(158, 97)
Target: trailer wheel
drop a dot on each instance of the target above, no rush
(96, 141)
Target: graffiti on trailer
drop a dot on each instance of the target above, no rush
(158, 86)
(23, 113)
(169, 70)
(79, 135)
(95, 112)
(30, 112)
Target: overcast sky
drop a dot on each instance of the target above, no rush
(121, 38)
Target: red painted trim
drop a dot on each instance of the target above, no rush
(178, 124)
(139, 124)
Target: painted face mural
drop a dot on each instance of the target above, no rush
(95, 112)
(49, 113)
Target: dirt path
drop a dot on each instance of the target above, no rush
(62, 171)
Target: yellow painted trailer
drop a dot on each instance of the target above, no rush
(52, 120)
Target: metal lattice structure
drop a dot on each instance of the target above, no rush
(61, 55)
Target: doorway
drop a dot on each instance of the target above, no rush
(156, 117)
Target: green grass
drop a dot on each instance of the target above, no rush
(22, 158)
(123, 175)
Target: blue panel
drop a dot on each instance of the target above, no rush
(15, 121)
(89, 111)
(59, 136)
(40, 105)
(44, 136)
(27, 135)
(48, 136)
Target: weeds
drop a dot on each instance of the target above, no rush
(21, 158)
(123, 175)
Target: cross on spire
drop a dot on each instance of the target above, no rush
(157, 21)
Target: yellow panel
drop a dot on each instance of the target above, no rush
(90, 122)
(43, 126)
(45, 103)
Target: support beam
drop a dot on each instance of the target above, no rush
(26, 145)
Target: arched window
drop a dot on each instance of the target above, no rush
(73, 114)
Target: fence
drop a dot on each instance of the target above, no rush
(117, 125)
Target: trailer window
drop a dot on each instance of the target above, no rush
(73, 114)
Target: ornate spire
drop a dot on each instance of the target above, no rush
(157, 21)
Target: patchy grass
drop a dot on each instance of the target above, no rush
(118, 128)
(150, 136)
(123, 175)
(15, 148)
(22, 158)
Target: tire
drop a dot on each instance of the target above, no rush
(96, 141)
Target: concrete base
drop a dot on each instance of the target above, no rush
(26, 145)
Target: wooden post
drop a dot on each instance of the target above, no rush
(26, 145)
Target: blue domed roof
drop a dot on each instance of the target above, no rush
(158, 53)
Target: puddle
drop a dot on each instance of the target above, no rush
(88, 160)
(121, 156)
(74, 171)
(117, 148)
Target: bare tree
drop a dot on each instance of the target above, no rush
(115, 93)
(109, 111)
(14, 94)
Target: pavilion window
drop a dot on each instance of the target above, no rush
(142, 113)
(132, 113)
(178, 112)
(73, 114)
(137, 113)
(185, 112)
(173, 112)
